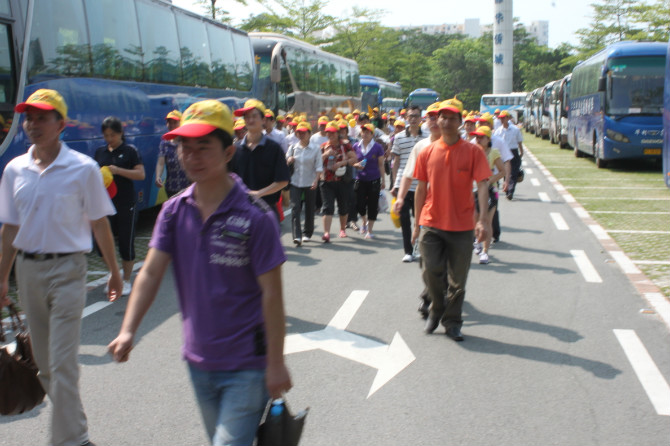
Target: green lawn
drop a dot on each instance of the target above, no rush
(626, 196)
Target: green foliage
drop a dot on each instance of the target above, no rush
(216, 12)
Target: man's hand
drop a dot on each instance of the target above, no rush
(120, 347)
(277, 380)
(415, 233)
(114, 286)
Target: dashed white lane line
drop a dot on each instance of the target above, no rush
(660, 304)
(559, 221)
(535, 182)
(528, 171)
(600, 233)
(624, 262)
(544, 197)
(97, 306)
(585, 266)
(647, 372)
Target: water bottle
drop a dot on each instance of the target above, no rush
(331, 163)
(364, 161)
(277, 407)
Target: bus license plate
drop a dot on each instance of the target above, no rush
(652, 151)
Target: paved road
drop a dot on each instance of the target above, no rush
(550, 352)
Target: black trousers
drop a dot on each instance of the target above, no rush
(406, 222)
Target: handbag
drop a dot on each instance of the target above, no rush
(340, 171)
(279, 427)
(20, 389)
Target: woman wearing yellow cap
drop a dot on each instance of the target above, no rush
(175, 179)
(483, 137)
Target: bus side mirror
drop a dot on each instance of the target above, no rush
(602, 84)
(275, 70)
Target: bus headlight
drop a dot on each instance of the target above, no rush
(616, 136)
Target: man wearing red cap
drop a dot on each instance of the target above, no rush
(444, 212)
(51, 199)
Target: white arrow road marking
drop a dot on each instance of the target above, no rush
(585, 266)
(646, 370)
(559, 221)
(389, 360)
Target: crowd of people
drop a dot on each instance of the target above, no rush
(226, 180)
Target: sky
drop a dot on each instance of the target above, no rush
(564, 16)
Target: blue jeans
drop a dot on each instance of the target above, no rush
(231, 403)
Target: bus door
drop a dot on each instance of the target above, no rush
(8, 72)
(666, 121)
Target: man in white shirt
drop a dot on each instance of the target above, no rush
(274, 134)
(403, 143)
(513, 139)
(51, 199)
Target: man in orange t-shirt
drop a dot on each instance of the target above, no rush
(445, 213)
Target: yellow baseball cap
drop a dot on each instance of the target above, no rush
(452, 105)
(504, 114)
(269, 114)
(470, 118)
(175, 115)
(44, 99)
(323, 120)
(203, 118)
(402, 112)
(294, 122)
(342, 124)
(482, 131)
(281, 118)
(433, 108)
(356, 112)
(332, 127)
(369, 127)
(337, 117)
(303, 127)
(399, 123)
(239, 124)
(250, 105)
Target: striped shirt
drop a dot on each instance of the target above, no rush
(403, 144)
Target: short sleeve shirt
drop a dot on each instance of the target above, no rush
(217, 264)
(54, 207)
(450, 170)
(176, 179)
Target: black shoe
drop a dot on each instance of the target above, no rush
(455, 333)
(424, 307)
(431, 325)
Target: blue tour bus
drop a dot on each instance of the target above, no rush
(616, 99)
(134, 59)
(666, 122)
(422, 97)
(378, 92)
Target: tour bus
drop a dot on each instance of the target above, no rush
(560, 106)
(546, 110)
(528, 113)
(294, 76)
(378, 92)
(666, 122)
(133, 59)
(422, 97)
(512, 102)
(616, 102)
(536, 110)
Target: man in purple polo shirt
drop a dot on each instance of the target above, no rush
(227, 258)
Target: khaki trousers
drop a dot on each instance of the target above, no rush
(446, 253)
(53, 294)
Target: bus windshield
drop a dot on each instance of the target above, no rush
(635, 86)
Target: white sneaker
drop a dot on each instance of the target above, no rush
(306, 239)
(478, 247)
(484, 258)
(127, 287)
(407, 258)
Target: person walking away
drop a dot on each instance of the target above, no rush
(403, 143)
(258, 160)
(125, 163)
(444, 209)
(175, 179)
(369, 180)
(483, 136)
(51, 199)
(307, 166)
(336, 155)
(227, 258)
(514, 141)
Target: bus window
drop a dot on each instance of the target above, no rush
(159, 43)
(115, 39)
(7, 80)
(244, 62)
(223, 58)
(636, 85)
(4, 8)
(194, 51)
(59, 43)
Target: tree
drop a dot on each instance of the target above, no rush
(654, 20)
(210, 8)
